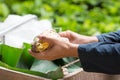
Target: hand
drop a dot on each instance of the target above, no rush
(77, 38)
(58, 48)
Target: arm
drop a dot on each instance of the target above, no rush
(101, 57)
(77, 38)
(110, 37)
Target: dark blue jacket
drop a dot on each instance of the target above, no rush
(102, 56)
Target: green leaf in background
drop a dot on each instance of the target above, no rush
(26, 58)
(43, 66)
(68, 14)
(4, 11)
(10, 55)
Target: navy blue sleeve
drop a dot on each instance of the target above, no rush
(103, 57)
(109, 37)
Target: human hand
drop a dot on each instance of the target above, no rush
(58, 48)
(77, 38)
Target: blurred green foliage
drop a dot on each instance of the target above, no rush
(82, 16)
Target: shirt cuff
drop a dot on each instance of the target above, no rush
(100, 38)
(87, 58)
(83, 56)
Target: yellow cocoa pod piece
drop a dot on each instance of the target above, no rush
(39, 46)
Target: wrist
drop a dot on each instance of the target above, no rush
(73, 50)
(92, 39)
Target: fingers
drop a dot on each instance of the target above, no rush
(32, 53)
(46, 39)
(37, 55)
(63, 34)
(42, 56)
(66, 34)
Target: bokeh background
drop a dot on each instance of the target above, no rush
(89, 17)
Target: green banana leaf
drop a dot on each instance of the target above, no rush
(21, 65)
(10, 55)
(19, 56)
(43, 66)
(48, 67)
(74, 67)
(26, 59)
(22, 70)
(55, 75)
(59, 62)
(51, 75)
